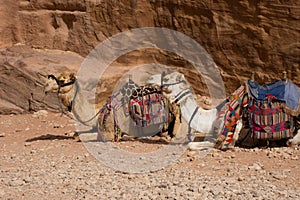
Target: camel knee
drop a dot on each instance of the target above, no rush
(295, 140)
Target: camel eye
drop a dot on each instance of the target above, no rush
(60, 82)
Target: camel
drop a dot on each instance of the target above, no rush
(199, 119)
(69, 93)
(295, 141)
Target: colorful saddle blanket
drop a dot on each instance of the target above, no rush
(145, 105)
(267, 120)
(227, 119)
(284, 91)
(269, 113)
(148, 110)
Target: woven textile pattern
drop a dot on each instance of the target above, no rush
(267, 120)
(148, 110)
(228, 117)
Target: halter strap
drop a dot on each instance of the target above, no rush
(181, 94)
(59, 83)
(190, 122)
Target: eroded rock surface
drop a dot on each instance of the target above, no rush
(241, 36)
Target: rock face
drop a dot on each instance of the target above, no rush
(23, 73)
(241, 36)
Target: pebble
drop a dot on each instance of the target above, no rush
(16, 182)
(40, 113)
(55, 125)
(27, 144)
(256, 166)
(2, 134)
(295, 157)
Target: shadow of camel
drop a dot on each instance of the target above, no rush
(152, 141)
(51, 137)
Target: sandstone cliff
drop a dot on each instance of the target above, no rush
(241, 36)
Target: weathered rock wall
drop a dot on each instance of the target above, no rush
(242, 36)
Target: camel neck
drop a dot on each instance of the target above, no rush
(202, 120)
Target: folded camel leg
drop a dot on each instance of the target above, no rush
(295, 141)
(194, 146)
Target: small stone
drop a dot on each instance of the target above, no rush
(202, 165)
(255, 149)
(16, 182)
(289, 151)
(39, 113)
(33, 151)
(294, 157)
(55, 125)
(255, 166)
(13, 156)
(72, 134)
(191, 159)
(2, 134)
(278, 176)
(27, 144)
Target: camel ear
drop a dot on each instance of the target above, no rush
(166, 90)
(72, 76)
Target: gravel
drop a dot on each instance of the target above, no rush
(35, 167)
(35, 175)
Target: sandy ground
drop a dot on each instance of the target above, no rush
(40, 159)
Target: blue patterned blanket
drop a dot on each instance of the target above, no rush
(281, 90)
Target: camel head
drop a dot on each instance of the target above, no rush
(175, 86)
(63, 85)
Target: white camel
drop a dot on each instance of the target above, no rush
(295, 141)
(199, 119)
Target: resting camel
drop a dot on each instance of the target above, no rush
(200, 119)
(69, 92)
(70, 95)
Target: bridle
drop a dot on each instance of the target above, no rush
(181, 94)
(61, 84)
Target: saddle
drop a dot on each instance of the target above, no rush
(271, 108)
(145, 105)
(149, 109)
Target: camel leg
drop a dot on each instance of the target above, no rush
(295, 141)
